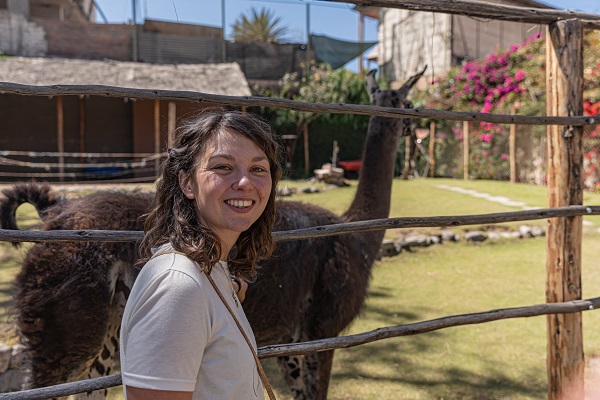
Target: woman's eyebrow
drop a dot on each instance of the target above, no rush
(232, 158)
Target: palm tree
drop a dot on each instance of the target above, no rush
(259, 27)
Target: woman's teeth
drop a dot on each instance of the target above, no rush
(239, 203)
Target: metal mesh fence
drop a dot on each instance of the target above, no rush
(490, 154)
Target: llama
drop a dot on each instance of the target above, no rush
(70, 296)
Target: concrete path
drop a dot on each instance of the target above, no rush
(505, 201)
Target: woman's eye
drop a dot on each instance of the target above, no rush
(223, 167)
(259, 169)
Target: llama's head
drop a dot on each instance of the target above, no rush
(390, 98)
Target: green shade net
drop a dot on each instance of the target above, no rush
(337, 52)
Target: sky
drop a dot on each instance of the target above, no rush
(337, 20)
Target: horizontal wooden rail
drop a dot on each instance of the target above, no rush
(339, 342)
(487, 10)
(43, 165)
(319, 108)
(34, 154)
(8, 235)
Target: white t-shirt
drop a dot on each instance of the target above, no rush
(177, 335)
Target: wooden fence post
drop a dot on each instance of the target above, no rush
(512, 150)
(432, 149)
(306, 154)
(564, 97)
(60, 136)
(81, 127)
(465, 150)
(171, 123)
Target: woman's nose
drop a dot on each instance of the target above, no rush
(242, 182)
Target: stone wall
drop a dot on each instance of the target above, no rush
(21, 37)
(11, 359)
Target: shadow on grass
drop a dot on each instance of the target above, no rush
(399, 365)
(424, 364)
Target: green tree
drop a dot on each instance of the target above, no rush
(260, 26)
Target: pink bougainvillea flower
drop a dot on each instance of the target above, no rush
(485, 137)
(504, 156)
(520, 75)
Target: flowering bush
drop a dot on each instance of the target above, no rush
(507, 82)
(502, 83)
(591, 158)
(494, 84)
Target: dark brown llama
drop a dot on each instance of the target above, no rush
(70, 296)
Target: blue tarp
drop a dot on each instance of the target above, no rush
(337, 52)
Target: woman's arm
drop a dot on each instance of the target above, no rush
(135, 393)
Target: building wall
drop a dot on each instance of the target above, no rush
(409, 40)
(474, 39)
(21, 37)
(40, 37)
(75, 39)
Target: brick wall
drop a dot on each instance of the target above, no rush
(74, 39)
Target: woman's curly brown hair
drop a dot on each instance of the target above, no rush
(173, 216)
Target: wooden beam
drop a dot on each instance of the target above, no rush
(564, 96)
(465, 150)
(487, 10)
(60, 136)
(156, 134)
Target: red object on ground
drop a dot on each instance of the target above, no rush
(351, 165)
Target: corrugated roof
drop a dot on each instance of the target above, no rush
(225, 79)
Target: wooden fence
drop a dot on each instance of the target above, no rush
(565, 192)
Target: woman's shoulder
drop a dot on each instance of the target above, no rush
(167, 262)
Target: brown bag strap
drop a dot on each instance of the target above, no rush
(261, 371)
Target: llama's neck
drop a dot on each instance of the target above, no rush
(372, 199)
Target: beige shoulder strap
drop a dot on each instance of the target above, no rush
(261, 371)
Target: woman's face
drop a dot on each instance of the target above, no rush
(231, 185)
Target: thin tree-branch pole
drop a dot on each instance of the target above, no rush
(318, 108)
(340, 342)
(487, 10)
(7, 235)
(417, 328)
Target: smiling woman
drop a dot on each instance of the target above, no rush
(184, 332)
(231, 185)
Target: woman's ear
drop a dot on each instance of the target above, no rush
(185, 184)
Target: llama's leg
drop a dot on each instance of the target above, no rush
(291, 369)
(307, 376)
(317, 371)
(103, 362)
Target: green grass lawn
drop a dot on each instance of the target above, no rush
(499, 360)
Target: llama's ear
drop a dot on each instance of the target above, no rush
(185, 183)
(403, 91)
(372, 85)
